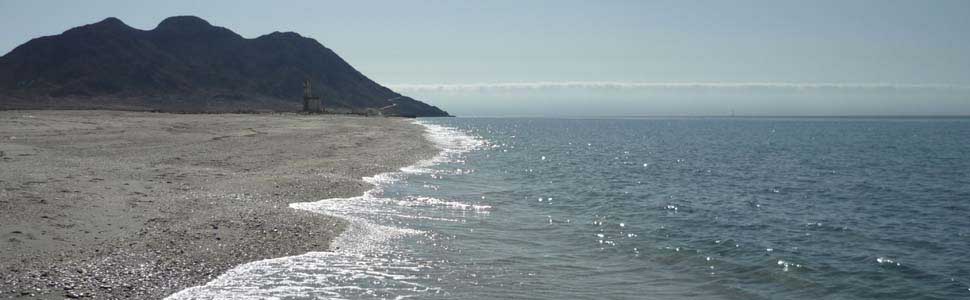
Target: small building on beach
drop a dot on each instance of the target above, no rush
(311, 103)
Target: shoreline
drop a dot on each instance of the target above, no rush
(126, 204)
(362, 238)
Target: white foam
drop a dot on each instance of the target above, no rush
(435, 202)
(361, 263)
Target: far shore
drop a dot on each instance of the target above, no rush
(113, 204)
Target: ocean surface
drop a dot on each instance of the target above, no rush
(655, 208)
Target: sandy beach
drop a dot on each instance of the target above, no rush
(113, 204)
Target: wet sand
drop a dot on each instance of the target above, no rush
(111, 204)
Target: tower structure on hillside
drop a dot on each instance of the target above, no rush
(311, 103)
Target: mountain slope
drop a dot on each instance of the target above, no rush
(186, 64)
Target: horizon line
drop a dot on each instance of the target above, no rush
(728, 116)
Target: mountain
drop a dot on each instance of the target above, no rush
(186, 64)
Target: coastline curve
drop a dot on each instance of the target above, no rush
(349, 265)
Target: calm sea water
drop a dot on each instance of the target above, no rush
(650, 209)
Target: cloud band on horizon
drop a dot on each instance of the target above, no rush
(512, 86)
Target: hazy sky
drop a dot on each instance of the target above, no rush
(441, 43)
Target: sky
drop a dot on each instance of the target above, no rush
(604, 57)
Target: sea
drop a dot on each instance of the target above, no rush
(648, 208)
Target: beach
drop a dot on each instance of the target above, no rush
(114, 204)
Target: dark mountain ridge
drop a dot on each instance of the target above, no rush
(186, 64)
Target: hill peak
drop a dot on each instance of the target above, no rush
(108, 24)
(183, 22)
(191, 27)
(111, 21)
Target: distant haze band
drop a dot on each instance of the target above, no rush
(459, 87)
